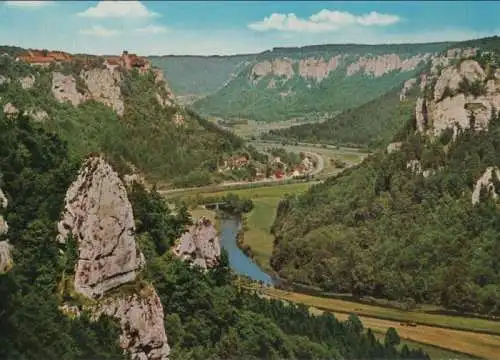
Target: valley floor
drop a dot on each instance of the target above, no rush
(440, 334)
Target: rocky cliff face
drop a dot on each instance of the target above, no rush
(319, 68)
(98, 215)
(464, 96)
(5, 247)
(199, 245)
(5, 256)
(486, 182)
(104, 86)
(141, 320)
(64, 89)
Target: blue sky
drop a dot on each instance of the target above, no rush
(229, 27)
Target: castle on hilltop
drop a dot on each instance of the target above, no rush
(125, 60)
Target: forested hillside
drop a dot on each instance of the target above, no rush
(373, 124)
(135, 122)
(199, 75)
(207, 317)
(370, 125)
(420, 222)
(297, 82)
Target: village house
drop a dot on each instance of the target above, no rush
(235, 162)
(44, 57)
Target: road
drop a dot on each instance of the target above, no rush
(320, 165)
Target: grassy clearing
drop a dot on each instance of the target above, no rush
(258, 226)
(478, 345)
(341, 306)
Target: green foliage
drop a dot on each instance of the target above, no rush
(36, 172)
(230, 203)
(476, 88)
(199, 75)
(207, 317)
(380, 230)
(391, 337)
(152, 221)
(370, 125)
(187, 154)
(275, 98)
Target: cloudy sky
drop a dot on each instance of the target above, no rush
(230, 27)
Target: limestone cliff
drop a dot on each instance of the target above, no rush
(5, 247)
(102, 85)
(99, 217)
(319, 68)
(486, 182)
(141, 320)
(199, 245)
(5, 256)
(464, 96)
(64, 89)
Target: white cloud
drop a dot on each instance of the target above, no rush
(152, 29)
(28, 4)
(100, 31)
(118, 9)
(323, 21)
(374, 18)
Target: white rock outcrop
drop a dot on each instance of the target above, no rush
(407, 86)
(383, 64)
(141, 320)
(451, 108)
(5, 256)
(64, 89)
(10, 110)
(37, 115)
(104, 86)
(486, 181)
(4, 202)
(27, 82)
(317, 68)
(4, 80)
(277, 67)
(5, 247)
(414, 166)
(99, 216)
(199, 245)
(394, 146)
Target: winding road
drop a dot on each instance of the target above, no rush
(320, 165)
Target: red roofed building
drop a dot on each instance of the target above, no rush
(44, 58)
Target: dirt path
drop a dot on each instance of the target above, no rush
(481, 345)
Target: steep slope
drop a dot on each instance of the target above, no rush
(412, 223)
(192, 77)
(290, 83)
(369, 125)
(98, 219)
(54, 307)
(124, 113)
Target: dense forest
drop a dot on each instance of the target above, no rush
(370, 125)
(145, 136)
(207, 316)
(297, 97)
(383, 230)
(199, 75)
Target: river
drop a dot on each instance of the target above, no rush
(239, 261)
